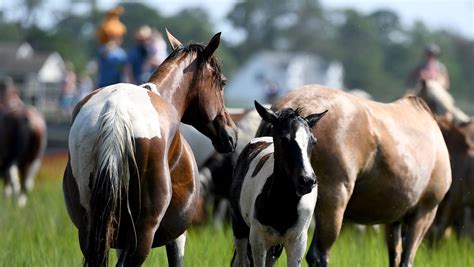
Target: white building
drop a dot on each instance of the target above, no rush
(37, 75)
(267, 71)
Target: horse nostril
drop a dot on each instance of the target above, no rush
(309, 181)
(231, 140)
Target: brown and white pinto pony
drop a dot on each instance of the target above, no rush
(274, 192)
(131, 182)
(22, 143)
(379, 164)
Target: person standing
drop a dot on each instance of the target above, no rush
(68, 89)
(139, 54)
(85, 85)
(158, 50)
(112, 58)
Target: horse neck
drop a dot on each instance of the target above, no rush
(281, 184)
(174, 82)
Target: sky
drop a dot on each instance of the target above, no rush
(454, 15)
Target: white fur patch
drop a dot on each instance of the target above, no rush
(31, 174)
(151, 86)
(252, 186)
(301, 137)
(181, 243)
(265, 139)
(132, 101)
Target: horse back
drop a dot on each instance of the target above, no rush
(124, 111)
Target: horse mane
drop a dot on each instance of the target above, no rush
(289, 113)
(266, 129)
(198, 49)
(419, 102)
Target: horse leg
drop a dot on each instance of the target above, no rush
(28, 174)
(221, 207)
(393, 238)
(240, 231)
(76, 211)
(259, 248)
(154, 203)
(122, 255)
(12, 182)
(295, 251)
(274, 253)
(325, 234)
(447, 212)
(329, 217)
(7, 186)
(145, 234)
(240, 258)
(175, 251)
(417, 225)
(464, 230)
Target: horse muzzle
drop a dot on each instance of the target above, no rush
(226, 141)
(305, 186)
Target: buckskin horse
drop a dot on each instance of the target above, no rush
(273, 193)
(131, 182)
(380, 163)
(22, 143)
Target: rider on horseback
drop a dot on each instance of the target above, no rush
(430, 69)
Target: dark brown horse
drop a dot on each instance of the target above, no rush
(379, 164)
(131, 182)
(22, 143)
(455, 208)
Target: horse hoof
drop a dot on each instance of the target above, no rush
(8, 191)
(22, 201)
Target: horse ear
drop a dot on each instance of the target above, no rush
(314, 118)
(212, 46)
(267, 114)
(174, 42)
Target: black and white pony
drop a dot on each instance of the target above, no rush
(274, 192)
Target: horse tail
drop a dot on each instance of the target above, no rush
(114, 149)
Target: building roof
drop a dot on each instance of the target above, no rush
(283, 71)
(19, 59)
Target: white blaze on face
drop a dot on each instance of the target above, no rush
(132, 101)
(301, 138)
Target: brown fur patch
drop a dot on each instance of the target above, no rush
(248, 154)
(261, 163)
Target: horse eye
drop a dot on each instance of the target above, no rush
(224, 82)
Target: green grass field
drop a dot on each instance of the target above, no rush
(42, 235)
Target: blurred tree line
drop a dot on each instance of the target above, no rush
(377, 51)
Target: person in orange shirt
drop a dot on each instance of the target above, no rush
(112, 58)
